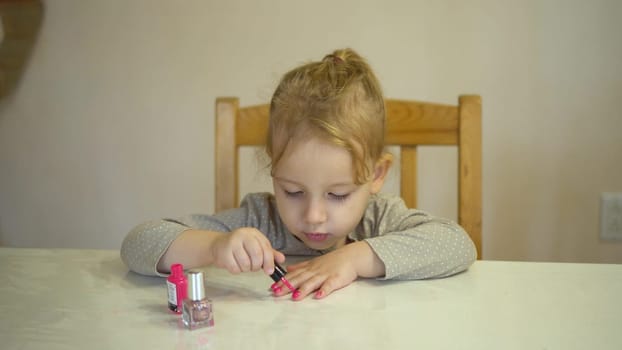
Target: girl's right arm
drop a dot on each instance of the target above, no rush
(192, 248)
(234, 239)
(242, 250)
(152, 247)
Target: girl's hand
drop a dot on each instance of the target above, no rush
(324, 274)
(245, 249)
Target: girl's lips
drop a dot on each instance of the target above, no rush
(316, 237)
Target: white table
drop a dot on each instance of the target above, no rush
(87, 299)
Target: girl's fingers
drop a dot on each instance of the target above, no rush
(242, 260)
(267, 256)
(297, 266)
(270, 259)
(329, 286)
(305, 282)
(278, 256)
(319, 288)
(251, 250)
(319, 277)
(230, 265)
(256, 253)
(268, 262)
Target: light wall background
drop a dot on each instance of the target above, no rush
(112, 122)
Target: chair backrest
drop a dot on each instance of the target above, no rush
(409, 124)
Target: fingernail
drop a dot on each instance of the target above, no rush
(274, 286)
(296, 294)
(319, 294)
(277, 290)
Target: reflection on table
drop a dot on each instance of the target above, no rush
(66, 299)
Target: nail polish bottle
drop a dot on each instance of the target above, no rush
(197, 308)
(177, 288)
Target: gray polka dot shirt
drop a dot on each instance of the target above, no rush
(411, 243)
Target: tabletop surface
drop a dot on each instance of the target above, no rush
(72, 299)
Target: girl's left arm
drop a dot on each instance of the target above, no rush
(326, 273)
(415, 245)
(393, 242)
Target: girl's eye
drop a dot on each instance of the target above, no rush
(339, 197)
(293, 193)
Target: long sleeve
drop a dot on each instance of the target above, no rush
(145, 244)
(413, 244)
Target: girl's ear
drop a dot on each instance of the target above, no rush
(380, 172)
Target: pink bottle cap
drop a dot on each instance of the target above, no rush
(177, 270)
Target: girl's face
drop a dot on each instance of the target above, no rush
(316, 196)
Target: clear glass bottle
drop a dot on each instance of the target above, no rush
(197, 308)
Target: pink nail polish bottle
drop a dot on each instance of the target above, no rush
(197, 308)
(177, 286)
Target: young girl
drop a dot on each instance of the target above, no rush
(326, 146)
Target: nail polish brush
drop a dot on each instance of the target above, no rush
(279, 275)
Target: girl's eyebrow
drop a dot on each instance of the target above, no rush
(278, 178)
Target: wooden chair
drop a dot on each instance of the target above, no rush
(409, 124)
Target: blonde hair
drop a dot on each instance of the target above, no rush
(337, 99)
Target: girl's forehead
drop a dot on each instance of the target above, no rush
(314, 146)
(315, 157)
(299, 153)
(310, 143)
(285, 143)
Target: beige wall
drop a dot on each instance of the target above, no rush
(112, 123)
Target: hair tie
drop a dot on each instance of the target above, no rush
(336, 59)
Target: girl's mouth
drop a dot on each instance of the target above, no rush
(316, 237)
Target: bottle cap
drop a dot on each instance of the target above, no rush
(177, 270)
(196, 286)
(279, 272)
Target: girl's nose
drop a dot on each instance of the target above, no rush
(316, 212)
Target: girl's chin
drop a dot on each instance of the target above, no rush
(317, 246)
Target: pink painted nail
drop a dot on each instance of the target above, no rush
(296, 294)
(319, 294)
(277, 290)
(274, 286)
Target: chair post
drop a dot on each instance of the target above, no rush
(226, 179)
(408, 175)
(470, 168)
